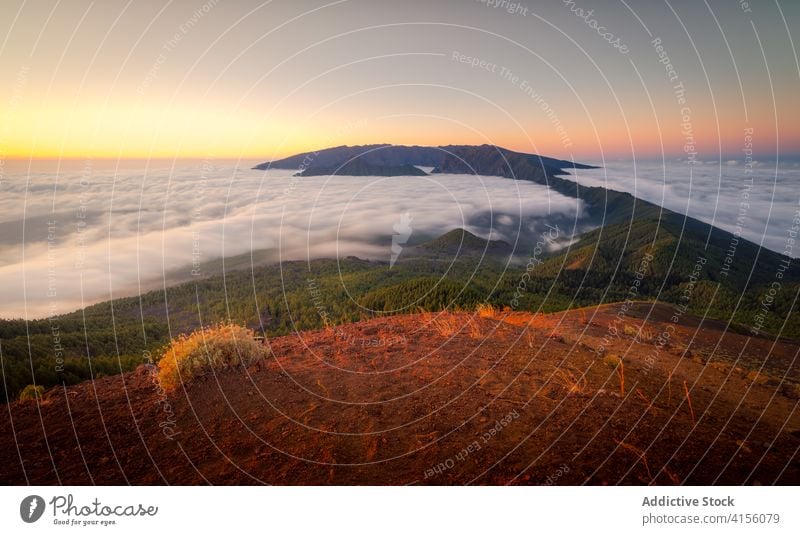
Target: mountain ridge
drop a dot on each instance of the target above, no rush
(358, 166)
(386, 155)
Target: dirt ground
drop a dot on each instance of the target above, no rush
(599, 396)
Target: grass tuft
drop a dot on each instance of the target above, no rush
(31, 392)
(573, 382)
(206, 351)
(446, 324)
(485, 310)
(475, 329)
(615, 362)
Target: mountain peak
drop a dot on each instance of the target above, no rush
(462, 241)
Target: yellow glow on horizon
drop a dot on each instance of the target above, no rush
(138, 131)
(162, 130)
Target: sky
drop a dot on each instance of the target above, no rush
(581, 79)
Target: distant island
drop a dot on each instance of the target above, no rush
(402, 160)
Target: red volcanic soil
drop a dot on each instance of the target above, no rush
(509, 399)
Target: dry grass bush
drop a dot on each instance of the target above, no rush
(446, 324)
(531, 337)
(641, 335)
(475, 329)
(207, 350)
(643, 459)
(640, 454)
(612, 361)
(615, 362)
(572, 381)
(528, 320)
(517, 319)
(647, 335)
(485, 310)
(31, 392)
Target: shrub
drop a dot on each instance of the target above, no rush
(573, 382)
(31, 392)
(446, 324)
(208, 350)
(475, 329)
(630, 330)
(647, 335)
(485, 310)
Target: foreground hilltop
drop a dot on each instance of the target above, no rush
(586, 396)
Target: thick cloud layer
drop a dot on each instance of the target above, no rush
(90, 234)
(758, 202)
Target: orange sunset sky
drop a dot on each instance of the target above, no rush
(259, 80)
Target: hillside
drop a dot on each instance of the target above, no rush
(455, 271)
(662, 255)
(444, 158)
(675, 243)
(458, 398)
(360, 167)
(460, 241)
(378, 155)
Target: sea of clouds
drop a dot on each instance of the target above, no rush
(83, 233)
(758, 201)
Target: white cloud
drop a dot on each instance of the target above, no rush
(712, 193)
(143, 226)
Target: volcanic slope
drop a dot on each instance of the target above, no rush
(584, 396)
